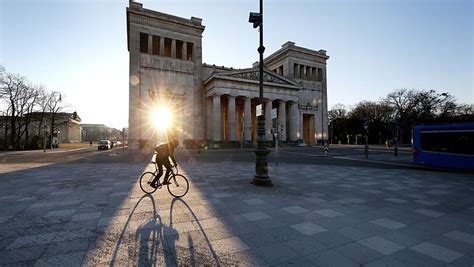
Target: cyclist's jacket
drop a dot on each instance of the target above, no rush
(164, 151)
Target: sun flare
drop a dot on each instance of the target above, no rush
(162, 118)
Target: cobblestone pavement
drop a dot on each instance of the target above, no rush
(87, 213)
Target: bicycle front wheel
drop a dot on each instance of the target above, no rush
(145, 181)
(178, 186)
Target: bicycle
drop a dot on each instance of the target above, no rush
(178, 184)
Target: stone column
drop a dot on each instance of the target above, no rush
(162, 46)
(185, 50)
(231, 117)
(324, 107)
(268, 119)
(209, 117)
(294, 121)
(282, 120)
(216, 118)
(248, 119)
(173, 48)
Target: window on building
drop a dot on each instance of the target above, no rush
(167, 47)
(320, 75)
(143, 42)
(156, 45)
(189, 50)
(179, 49)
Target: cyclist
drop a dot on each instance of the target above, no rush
(165, 152)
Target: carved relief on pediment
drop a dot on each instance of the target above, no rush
(254, 75)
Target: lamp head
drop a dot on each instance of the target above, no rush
(255, 18)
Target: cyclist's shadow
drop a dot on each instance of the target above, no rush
(151, 240)
(193, 255)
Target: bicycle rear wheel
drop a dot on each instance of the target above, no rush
(178, 186)
(145, 181)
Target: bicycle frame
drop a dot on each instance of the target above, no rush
(172, 172)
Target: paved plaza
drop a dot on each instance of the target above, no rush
(92, 213)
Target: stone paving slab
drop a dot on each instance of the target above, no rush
(437, 252)
(85, 213)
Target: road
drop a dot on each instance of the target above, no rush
(19, 160)
(338, 156)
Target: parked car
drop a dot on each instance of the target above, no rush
(104, 144)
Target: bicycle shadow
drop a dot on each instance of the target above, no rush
(150, 239)
(191, 245)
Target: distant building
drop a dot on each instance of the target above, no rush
(69, 127)
(216, 104)
(66, 125)
(96, 132)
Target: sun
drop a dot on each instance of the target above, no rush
(162, 118)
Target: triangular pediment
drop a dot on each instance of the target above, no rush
(253, 74)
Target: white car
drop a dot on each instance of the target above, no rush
(104, 144)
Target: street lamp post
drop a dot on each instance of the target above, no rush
(395, 149)
(366, 133)
(58, 138)
(261, 177)
(44, 138)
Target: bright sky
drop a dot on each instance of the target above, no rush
(78, 47)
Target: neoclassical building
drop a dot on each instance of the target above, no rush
(216, 104)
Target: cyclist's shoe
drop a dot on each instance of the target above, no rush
(154, 185)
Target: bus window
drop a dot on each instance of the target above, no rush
(463, 143)
(429, 141)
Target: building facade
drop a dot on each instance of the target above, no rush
(33, 130)
(97, 132)
(218, 105)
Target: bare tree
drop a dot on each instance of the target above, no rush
(338, 111)
(403, 101)
(22, 102)
(11, 88)
(373, 111)
(41, 108)
(26, 104)
(430, 104)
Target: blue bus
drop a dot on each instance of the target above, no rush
(444, 145)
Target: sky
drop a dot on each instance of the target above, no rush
(78, 47)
